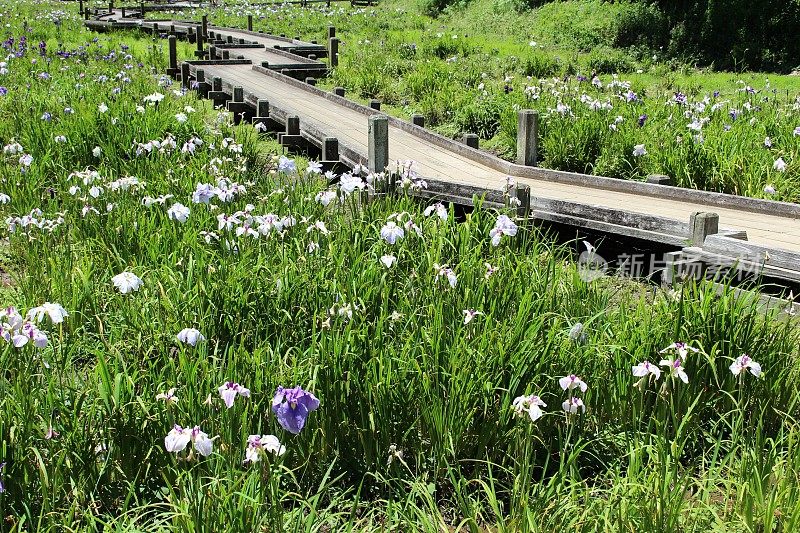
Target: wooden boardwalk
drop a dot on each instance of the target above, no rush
(756, 234)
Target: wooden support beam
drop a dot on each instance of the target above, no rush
(330, 156)
(418, 120)
(185, 81)
(701, 225)
(375, 104)
(333, 51)
(262, 120)
(173, 56)
(527, 137)
(202, 85)
(659, 179)
(217, 95)
(471, 140)
(523, 201)
(249, 22)
(378, 143)
(198, 39)
(292, 137)
(338, 91)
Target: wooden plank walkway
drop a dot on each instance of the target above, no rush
(350, 127)
(635, 209)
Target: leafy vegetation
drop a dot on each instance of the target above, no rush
(162, 258)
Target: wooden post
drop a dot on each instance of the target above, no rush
(331, 32)
(204, 23)
(527, 137)
(226, 54)
(471, 140)
(123, 12)
(185, 75)
(80, 7)
(200, 78)
(659, 179)
(262, 116)
(375, 104)
(701, 225)
(111, 6)
(330, 149)
(238, 94)
(333, 51)
(338, 91)
(212, 52)
(173, 54)
(141, 9)
(672, 268)
(198, 33)
(311, 81)
(249, 22)
(216, 95)
(418, 120)
(293, 125)
(524, 200)
(378, 141)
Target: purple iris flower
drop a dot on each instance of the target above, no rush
(642, 120)
(2, 487)
(292, 406)
(716, 94)
(3, 91)
(680, 98)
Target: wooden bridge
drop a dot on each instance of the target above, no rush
(270, 80)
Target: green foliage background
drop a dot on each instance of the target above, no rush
(727, 34)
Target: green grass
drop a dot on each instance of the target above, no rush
(416, 427)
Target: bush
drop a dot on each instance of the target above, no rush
(641, 24)
(738, 34)
(539, 65)
(482, 117)
(607, 60)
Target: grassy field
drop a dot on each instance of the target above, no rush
(169, 279)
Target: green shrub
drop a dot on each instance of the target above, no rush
(482, 116)
(607, 60)
(641, 24)
(539, 65)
